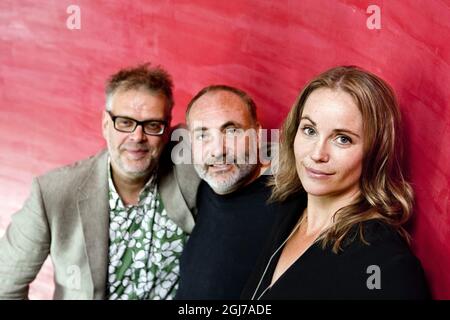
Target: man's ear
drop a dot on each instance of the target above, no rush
(105, 124)
(259, 134)
(259, 141)
(169, 129)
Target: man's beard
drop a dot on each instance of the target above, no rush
(133, 170)
(227, 182)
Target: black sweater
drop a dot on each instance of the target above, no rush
(225, 244)
(385, 269)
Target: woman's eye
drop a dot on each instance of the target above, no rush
(343, 140)
(309, 131)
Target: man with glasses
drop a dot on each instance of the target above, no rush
(114, 224)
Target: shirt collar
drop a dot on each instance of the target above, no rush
(115, 202)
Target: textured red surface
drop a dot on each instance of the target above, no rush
(51, 81)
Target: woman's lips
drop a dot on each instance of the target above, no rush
(317, 174)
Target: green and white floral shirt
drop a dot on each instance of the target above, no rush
(145, 247)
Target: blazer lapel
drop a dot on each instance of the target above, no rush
(93, 209)
(178, 191)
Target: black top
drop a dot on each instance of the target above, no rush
(386, 266)
(226, 241)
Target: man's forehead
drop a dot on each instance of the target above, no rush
(207, 125)
(218, 108)
(130, 94)
(219, 97)
(219, 118)
(139, 100)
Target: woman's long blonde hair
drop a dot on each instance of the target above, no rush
(385, 194)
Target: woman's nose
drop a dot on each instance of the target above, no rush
(320, 152)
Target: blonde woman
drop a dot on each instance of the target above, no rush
(340, 154)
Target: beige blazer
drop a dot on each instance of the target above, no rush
(67, 216)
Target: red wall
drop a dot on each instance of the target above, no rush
(51, 81)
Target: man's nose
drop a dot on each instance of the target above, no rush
(217, 148)
(138, 133)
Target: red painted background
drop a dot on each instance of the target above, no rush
(51, 81)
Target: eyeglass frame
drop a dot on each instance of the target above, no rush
(137, 124)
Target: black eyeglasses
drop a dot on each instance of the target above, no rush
(150, 127)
